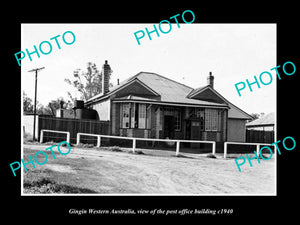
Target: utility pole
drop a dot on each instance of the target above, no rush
(35, 91)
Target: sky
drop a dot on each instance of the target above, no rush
(232, 52)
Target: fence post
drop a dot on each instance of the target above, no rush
(133, 145)
(177, 147)
(257, 149)
(214, 148)
(41, 137)
(77, 138)
(225, 149)
(68, 137)
(98, 141)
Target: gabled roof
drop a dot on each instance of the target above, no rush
(170, 92)
(266, 120)
(233, 112)
(122, 85)
(195, 91)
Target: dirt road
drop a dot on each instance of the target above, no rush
(107, 172)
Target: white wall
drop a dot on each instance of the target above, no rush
(103, 109)
(28, 125)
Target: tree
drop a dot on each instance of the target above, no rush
(27, 103)
(255, 116)
(41, 109)
(58, 103)
(88, 83)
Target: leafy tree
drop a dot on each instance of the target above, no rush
(27, 103)
(41, 109)
(58, 103)
(255, 115)
(88, 83)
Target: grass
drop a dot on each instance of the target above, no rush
(48, 186)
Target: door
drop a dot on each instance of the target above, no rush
(187, 130)
(196, 133)
(195, 130)
(169, 127)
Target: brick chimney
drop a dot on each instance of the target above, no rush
(210, 80)
(105, 79)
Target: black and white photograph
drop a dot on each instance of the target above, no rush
(149, 118)
(131, 111)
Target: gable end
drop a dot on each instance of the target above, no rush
(206, 93)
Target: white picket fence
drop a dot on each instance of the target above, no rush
(243, 143)
(134, 139)
(55, 131)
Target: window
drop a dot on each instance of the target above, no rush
(195, 124)
(177, 115)
(134, 115)
(196, 113)
(148, 120)
(125, 115)
(212, 121)
(142, 116)
(199, 113)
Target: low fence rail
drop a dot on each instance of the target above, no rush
(243, 143)
(134, 139)
(54, 131)
(145, 139)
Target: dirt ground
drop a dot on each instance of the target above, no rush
(112, 172)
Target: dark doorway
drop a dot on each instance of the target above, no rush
(169, 126)
(196, 133)
(188, 130)
(193, 131)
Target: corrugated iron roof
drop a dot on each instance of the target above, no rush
(266, 120)
(171, 91)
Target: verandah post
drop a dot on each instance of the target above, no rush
(98, 141)
(225, 149)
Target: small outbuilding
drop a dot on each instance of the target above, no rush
(262, 129)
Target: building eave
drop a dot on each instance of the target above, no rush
(169, 103)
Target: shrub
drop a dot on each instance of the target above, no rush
(210, 155)
(115, 149)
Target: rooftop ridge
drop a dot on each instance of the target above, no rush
(165, 78)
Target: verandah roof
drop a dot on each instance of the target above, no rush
(197, 103)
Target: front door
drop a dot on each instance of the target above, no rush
(196, 133)
(169, 127)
